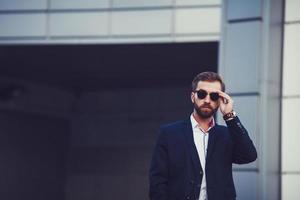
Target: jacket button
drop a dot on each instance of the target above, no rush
(201, 172)
(188, 197)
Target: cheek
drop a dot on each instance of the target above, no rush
(199, 102)
(216, 104)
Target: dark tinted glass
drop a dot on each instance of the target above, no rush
(214, 96)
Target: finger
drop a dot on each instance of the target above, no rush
(224, 95)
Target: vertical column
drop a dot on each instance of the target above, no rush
(250, 62)
(291, 102)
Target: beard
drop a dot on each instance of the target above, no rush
(205, 111)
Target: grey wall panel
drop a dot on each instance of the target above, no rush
(100, 185)
(79, 4)
(172, 116)
(23, 5)
(141, 22)
(291, 60)
(34, 98)
(32, 156)
(23, 25)
(109, 160)
(112, 139)
(104, 101)
(135, 100)
(241, 9)
(174, 99)
(79, 24)
(147, 100)
(246, 185)
(243, 56)
(140, 3)
(113, 129)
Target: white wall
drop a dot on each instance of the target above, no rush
(291, 103)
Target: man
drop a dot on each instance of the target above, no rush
(193, 158)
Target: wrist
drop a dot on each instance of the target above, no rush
(229, 116)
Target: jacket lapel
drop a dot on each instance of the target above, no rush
(188, 131)
(213, 137)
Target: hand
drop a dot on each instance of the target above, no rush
(226, 103)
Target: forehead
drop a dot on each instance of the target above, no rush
(209, 86)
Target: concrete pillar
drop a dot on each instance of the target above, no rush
(251, 64)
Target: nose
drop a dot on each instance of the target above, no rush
(207, 99)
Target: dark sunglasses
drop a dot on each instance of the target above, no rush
(214, 96)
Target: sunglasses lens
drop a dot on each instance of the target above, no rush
(214, 96)
(201, 94)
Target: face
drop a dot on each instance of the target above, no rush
(206, 107)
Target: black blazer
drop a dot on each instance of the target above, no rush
(176, 172)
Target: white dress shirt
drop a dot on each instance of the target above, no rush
(201, 142)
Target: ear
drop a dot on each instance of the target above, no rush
(193, 97)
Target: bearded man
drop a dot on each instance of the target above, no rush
(193, 158)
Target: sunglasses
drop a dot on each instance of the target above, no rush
(214, 96)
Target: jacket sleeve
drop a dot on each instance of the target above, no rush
(158, 175)
(243, 148)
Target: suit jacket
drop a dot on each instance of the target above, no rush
(176, 172)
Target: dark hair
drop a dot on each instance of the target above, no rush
(209, 77)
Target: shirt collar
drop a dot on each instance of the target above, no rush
(196, 125)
